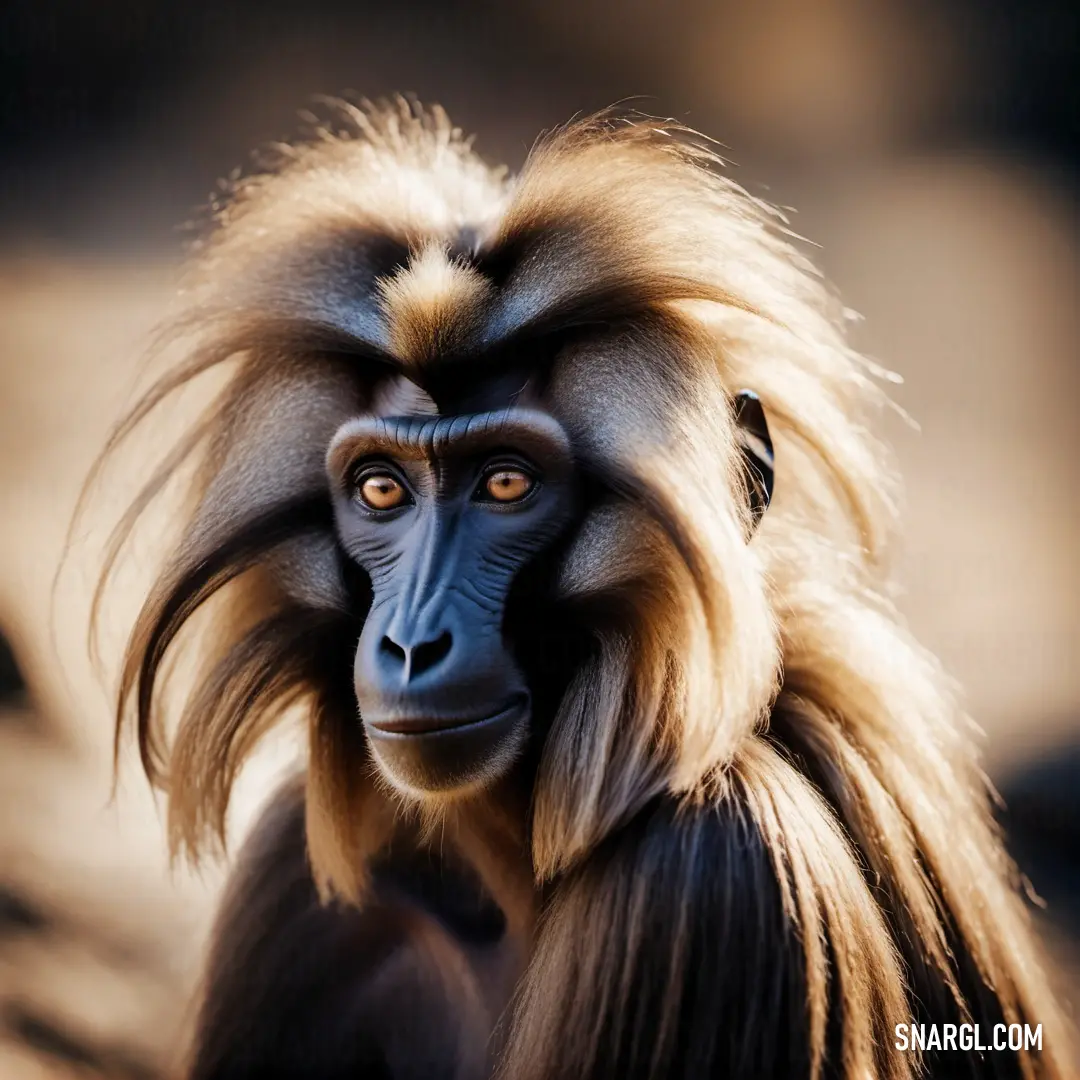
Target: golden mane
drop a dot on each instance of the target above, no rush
(774, 676)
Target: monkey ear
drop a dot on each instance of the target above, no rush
(753, 438)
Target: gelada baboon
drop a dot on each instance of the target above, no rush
(613, 772)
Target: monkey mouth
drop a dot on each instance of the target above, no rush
(433, 724)
(429, 752)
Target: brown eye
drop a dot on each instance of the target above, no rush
(381, 491)
(508, 485)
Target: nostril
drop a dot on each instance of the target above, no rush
(392, 649)
(414, 660)
(430, 653)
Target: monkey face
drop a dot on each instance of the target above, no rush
(443, 512)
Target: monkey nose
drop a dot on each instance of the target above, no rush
(407, 662)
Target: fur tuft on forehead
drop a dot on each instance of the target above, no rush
(433, 306)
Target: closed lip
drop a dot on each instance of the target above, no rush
(406, 726)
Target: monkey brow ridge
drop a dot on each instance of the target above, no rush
(428, 437)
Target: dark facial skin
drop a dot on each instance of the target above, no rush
(444, 512)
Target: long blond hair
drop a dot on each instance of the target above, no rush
(774, 675)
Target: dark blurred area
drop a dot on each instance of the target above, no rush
(932, 149)
(116, 118)
(11, 682)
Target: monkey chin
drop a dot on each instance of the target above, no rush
(421, 757)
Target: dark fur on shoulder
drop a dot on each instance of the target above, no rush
(295, 987)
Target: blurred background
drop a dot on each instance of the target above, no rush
(930, 147)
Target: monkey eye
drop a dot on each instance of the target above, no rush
(378, 489)
(505, 484)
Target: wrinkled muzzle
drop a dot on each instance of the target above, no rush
(443, 701)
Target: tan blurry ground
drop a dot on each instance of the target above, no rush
(968, 275)
(120, 962)
(116, 969)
